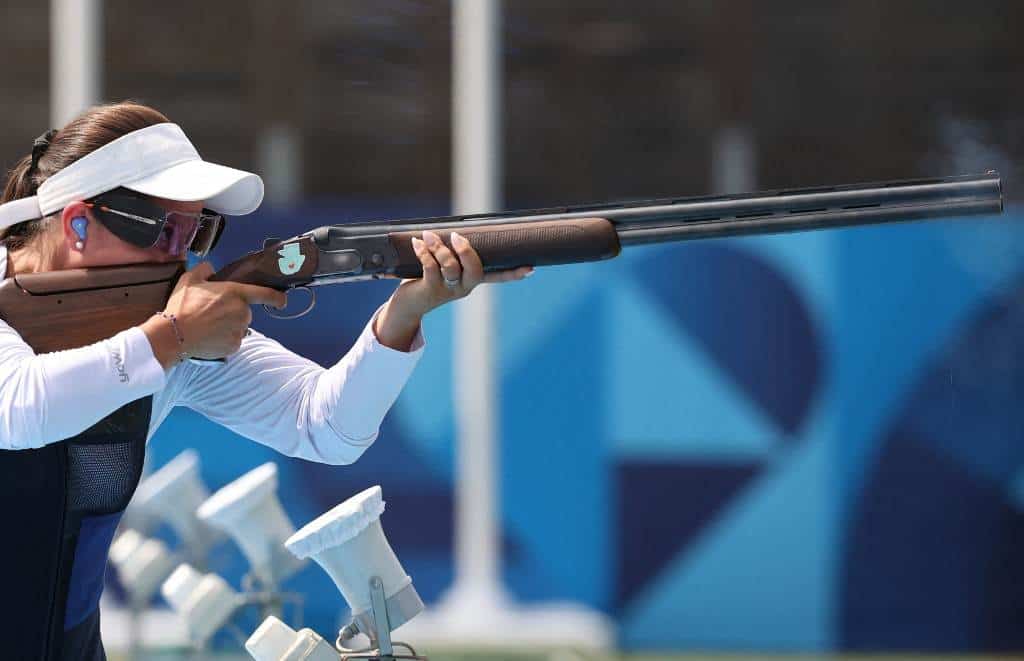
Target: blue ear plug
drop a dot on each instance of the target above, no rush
(78, 224)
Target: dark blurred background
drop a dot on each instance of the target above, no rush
(602, 98)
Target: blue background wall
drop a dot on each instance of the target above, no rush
(807, 442)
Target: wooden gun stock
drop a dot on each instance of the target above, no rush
(76, 307)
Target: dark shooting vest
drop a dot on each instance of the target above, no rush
(62, 503)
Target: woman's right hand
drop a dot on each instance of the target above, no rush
(212, 317)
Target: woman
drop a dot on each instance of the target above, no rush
(119, 185)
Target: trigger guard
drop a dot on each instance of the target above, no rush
(271, 312)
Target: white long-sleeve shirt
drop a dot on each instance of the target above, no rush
(263, 391)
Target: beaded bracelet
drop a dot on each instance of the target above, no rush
(177, 333)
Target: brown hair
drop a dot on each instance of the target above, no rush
(83, 135)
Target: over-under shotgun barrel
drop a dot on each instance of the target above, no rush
(563, 235)
(753, 213)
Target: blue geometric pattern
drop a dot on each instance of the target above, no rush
(659, 369)
(749, 320)
(800, 442)
(959, 440)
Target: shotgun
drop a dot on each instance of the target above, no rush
(75, 307)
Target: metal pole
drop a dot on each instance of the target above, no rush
(733, 160)
(476, 131)
(476, 610)
(75, 56)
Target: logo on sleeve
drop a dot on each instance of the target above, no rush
(122, 373)
(291, 259)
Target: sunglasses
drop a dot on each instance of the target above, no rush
(140, 221)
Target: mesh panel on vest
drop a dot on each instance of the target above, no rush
(103, 476)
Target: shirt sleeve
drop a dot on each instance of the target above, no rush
(287, 402)
(45, 398)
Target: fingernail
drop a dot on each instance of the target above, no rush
(529, 273)
(431, 238)
(459, 240)
(416, 243)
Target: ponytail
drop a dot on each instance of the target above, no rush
(55, 150)
(21, 182)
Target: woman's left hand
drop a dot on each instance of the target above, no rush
(448, 274)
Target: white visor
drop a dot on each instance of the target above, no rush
(158, 160)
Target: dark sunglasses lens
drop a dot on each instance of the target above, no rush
(135, 232)
(209, 231)
(143, 235)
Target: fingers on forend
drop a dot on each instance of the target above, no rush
(431, 269)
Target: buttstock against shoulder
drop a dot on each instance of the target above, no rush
(73, 308)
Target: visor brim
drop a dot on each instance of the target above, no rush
(224, 190)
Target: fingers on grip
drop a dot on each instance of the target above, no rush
(201, 271)
(254, 294)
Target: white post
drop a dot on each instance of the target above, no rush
(476, 610)
(280, 159)
(75, 56)
(733, 161)
(476, 183)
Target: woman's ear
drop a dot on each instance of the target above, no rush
(74, 221)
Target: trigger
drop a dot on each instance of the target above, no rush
(272, 312)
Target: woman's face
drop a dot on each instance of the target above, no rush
(103, 248)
